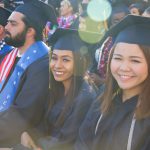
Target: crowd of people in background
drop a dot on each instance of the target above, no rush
(74, 74)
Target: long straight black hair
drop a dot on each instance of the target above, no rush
(143, 108)
(81, 64)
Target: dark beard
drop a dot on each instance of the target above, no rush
(16, 41)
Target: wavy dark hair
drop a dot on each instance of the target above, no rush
(143, 108)
(38, 32)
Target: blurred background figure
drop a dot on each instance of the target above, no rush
(1, 3)
(146, 13)
(67, 13)
(55, 4)
(119, 11)
(136, 8)
(93, 33)
(101, 51)
(84, 4)
(12, 4)
(69, 10)
(4, 48)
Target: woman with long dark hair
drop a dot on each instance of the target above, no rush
(70, 95)
(120, 118)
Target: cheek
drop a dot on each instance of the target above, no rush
(70, 68)
(14, 33)
(51, 65)
(142, 71)
(64, 9)
(113, 66)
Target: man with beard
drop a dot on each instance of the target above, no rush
(4, 48)
(24, 72)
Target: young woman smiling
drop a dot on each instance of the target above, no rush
(70, 96)
(120, 118)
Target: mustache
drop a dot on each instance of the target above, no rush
(6, 32)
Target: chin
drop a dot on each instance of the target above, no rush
(58, 80)
(125, 87)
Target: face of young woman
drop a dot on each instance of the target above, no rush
(62, 65)
(129, 67)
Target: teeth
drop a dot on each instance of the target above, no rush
(125, 76)
(59, 73)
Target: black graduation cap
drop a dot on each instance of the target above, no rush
(66, 39)
(120, 8)
(132, 29)
(4, 14)
(38, 13)
(75, 5)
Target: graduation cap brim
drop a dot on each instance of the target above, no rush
(4, 14)
(93, 36)
(59, 33)
(132, 29)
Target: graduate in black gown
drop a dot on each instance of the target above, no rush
(24, 71)
(120, 117)
(70, 95)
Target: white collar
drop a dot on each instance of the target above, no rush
(18, 54)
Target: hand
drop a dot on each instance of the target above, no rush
(95, 79)
(27, 141)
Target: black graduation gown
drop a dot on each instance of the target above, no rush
(63, 138)
(113, 129)
(86, 131)
(28, 105)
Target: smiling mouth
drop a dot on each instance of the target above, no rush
(58, 72)
(125, 77)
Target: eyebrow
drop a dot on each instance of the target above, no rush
(12, 21)
(137, 57)
(62, 55)
(129, 56)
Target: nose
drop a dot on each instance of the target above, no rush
(58, 64)
(7, 26)
(124, 66)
